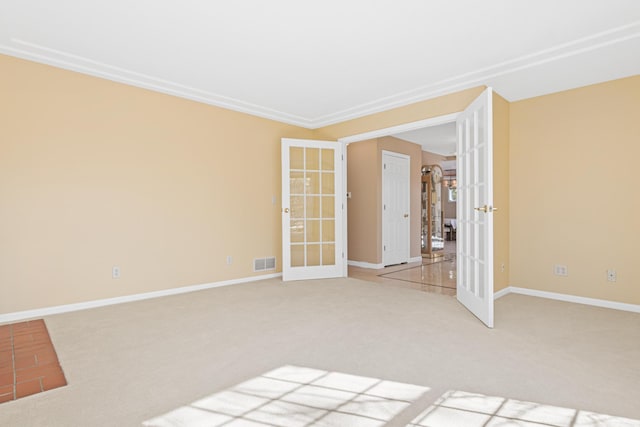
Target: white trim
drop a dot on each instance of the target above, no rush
(416, 259)
(363, 264)
(569, 298)
(47, 311)
(35, 52)
(405, 127)
(345, 246)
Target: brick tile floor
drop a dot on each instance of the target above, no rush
(28, 361)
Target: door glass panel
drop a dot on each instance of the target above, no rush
(296, 158)
(328, 179)
(297, 256)
(313, 231)
(313, 183)
(313, 255)
(328, 254)
(327, 160)
(297, 206)
(312, 207)
(297, 231)
(296, 182)
(328, 207)
(328, 230)
(312, 159)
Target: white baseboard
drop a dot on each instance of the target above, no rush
(416, 259)
(47, 311)
(363, 264)
(569, 298)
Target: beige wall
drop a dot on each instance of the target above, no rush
(573, 194)
(364, 181)
(95, 174)
(364, 242)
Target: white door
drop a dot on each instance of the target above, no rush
(475, 208)
(395, 208)
(312, 190)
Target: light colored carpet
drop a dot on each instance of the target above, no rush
(130, 363)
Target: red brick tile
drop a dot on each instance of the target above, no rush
(6, 367)
(6, 356)
(46, 356)
(53, 381)
(5, 343)
(25, 362)
(5, 331)
(6, 393)
(37, 372)
(6, 379)
(28, 388)
(6, 397)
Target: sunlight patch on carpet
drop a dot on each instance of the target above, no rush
(296, 396)
(457, 408)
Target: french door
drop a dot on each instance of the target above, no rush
(475, 208)
(312, 209)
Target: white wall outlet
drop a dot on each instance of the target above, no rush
(560, 270)
(229, 260)
(612, 276)
(115, 272)
(274, 200)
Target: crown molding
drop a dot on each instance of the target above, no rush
(38, 53)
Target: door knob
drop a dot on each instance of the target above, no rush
(285, 210)
(486, 209)
(406, 215)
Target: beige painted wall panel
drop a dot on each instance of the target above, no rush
(95, 174)
(364, 242)
(573, 196)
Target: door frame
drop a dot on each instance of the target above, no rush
(405, 127)
(384, 230)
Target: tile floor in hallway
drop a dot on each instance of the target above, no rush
(436, 275)
(28, 361)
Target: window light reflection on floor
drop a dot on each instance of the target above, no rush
(457, 408)
(293, 396)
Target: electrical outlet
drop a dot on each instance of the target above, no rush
(502, 268)
(560, 270)
(229, 260)
(115, 272)
(612, 276)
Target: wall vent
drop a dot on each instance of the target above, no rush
(264, 264)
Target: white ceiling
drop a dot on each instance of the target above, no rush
(440, 139)
(313, 63)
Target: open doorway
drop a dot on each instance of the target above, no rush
(432, 144)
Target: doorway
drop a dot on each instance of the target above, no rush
(395, 208)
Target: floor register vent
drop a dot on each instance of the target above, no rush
(264, 264)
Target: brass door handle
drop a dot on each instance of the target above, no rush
(486, 209)
(285, 210)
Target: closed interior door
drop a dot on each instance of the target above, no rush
(395, 208)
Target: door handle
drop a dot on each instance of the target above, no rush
(406, 215)
(285, 210)
(486, 209)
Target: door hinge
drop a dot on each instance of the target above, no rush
(384, 248)
(384, 207)
(385, 166)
